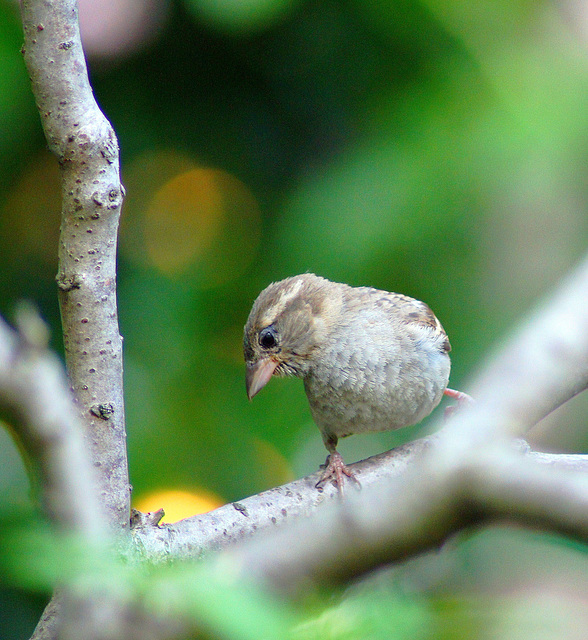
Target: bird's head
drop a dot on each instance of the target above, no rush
(287, 324)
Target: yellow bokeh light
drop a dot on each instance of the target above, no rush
(178, 504)
(204, 218)
(184, 218)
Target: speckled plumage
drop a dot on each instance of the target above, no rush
(370, 360)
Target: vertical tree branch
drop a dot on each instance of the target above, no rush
(87, 149)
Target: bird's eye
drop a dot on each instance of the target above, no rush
(268, 338)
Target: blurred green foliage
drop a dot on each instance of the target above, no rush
(437, 148)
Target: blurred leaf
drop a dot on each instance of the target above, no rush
(370, 614)
(215, 600)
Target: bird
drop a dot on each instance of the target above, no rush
(370, 360)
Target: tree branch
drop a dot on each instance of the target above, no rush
(541, 366)
(37, 404)
(197, 536)
(35, 397)
(87, 149)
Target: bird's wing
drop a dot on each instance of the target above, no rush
(406, 309)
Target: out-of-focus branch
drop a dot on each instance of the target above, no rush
(543, 365)
(87, 149)
(412, 514)
(36, 402)
(35, 398)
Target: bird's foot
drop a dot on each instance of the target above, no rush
(461, 397)
(335, 469)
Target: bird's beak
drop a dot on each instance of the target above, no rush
(258, 375)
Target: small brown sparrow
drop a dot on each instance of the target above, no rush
(370, 360)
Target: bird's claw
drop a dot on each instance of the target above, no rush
(335, 469)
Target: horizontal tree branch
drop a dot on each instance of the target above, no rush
(235, 522)
(414, 513)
